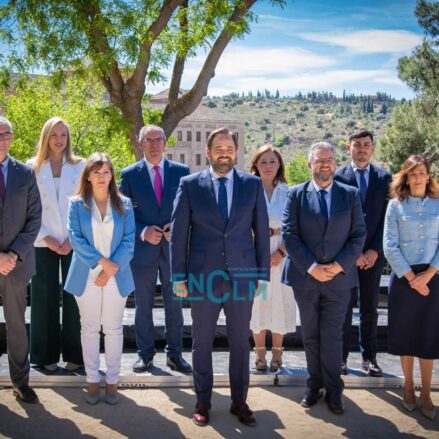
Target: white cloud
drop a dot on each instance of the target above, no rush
(270, 62)
(368, 41)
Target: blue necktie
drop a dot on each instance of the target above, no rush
(323, 206)
(363, 185)
(222, 199)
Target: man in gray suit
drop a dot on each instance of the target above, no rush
(323, 230)
(20, 220)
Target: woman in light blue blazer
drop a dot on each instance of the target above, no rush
(101, 228)
(411, 245)
(57, 170)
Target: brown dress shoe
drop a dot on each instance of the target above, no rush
(201, 414)
(245, 415)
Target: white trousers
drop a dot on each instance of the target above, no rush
(101, 306)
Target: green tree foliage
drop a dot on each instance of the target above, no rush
(410, 132)
(414, 127)
(95, 125)
(297, 171)
(124, 43)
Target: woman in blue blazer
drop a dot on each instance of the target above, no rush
(101, 228)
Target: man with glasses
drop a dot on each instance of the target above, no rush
(373, 184)
(323, 231)
(20, 220)
(152, 183)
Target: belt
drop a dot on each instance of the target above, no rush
(274, 232)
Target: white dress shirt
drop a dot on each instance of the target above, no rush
(228, 183)
(5, 164)
(328, 195)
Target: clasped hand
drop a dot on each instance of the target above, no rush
(419, 281)
(8, 261)
(62, 249)
(154, 234)
(325, 272)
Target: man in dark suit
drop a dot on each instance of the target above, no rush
(20, 220)
(323, 231)
(373, 185)
(152, 183)
(219, 253)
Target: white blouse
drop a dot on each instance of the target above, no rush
(102, 229)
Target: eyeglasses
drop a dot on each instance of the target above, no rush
(323, 162)
(152, 141)
(5, 136)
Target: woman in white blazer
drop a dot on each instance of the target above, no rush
(57, 171)
(102, 230)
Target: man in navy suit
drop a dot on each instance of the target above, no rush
(152, 183)
(220, 251)
(323, 231)
(373, 185)
(20, 220)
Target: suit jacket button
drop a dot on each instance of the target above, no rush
(222, 253)
(225, 236)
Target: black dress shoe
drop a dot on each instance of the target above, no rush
(371, 368)
(179, 364)
(244, 413)
(201, 414)
(26, 394)
(344, 369)
(310, 397)
(142, 365)
(335, 404)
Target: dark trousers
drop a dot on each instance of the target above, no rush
(145, 280)
(47, 339)
(13, 294)
(368, 293)
(322, 314)
(205, 310)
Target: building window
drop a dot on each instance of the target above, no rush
(198, 160)
(198, 136)
(169, 156)
(181, 158)
(179, 136)
(189, 136)
(207, 134)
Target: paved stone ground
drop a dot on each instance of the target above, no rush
(165, 413)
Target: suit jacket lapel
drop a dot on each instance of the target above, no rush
(117, 231)
(207, 184)
(167, 175)
(373, 177)
(238, 193)
(85, 214)
(350, 176)
(12, 183)
(145, 180)
(314, 204)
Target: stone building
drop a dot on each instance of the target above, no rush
(192, 132)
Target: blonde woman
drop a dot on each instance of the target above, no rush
(57, 171)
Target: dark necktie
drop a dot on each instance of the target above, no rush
(323, 206)
(222, 199)
(2, 183)
(363, 185)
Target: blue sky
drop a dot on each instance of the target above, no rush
(318, 45)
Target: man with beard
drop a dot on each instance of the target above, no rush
(323, 231)
(220, 252)
(373, 184)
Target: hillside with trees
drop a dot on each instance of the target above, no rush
(293, 123)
